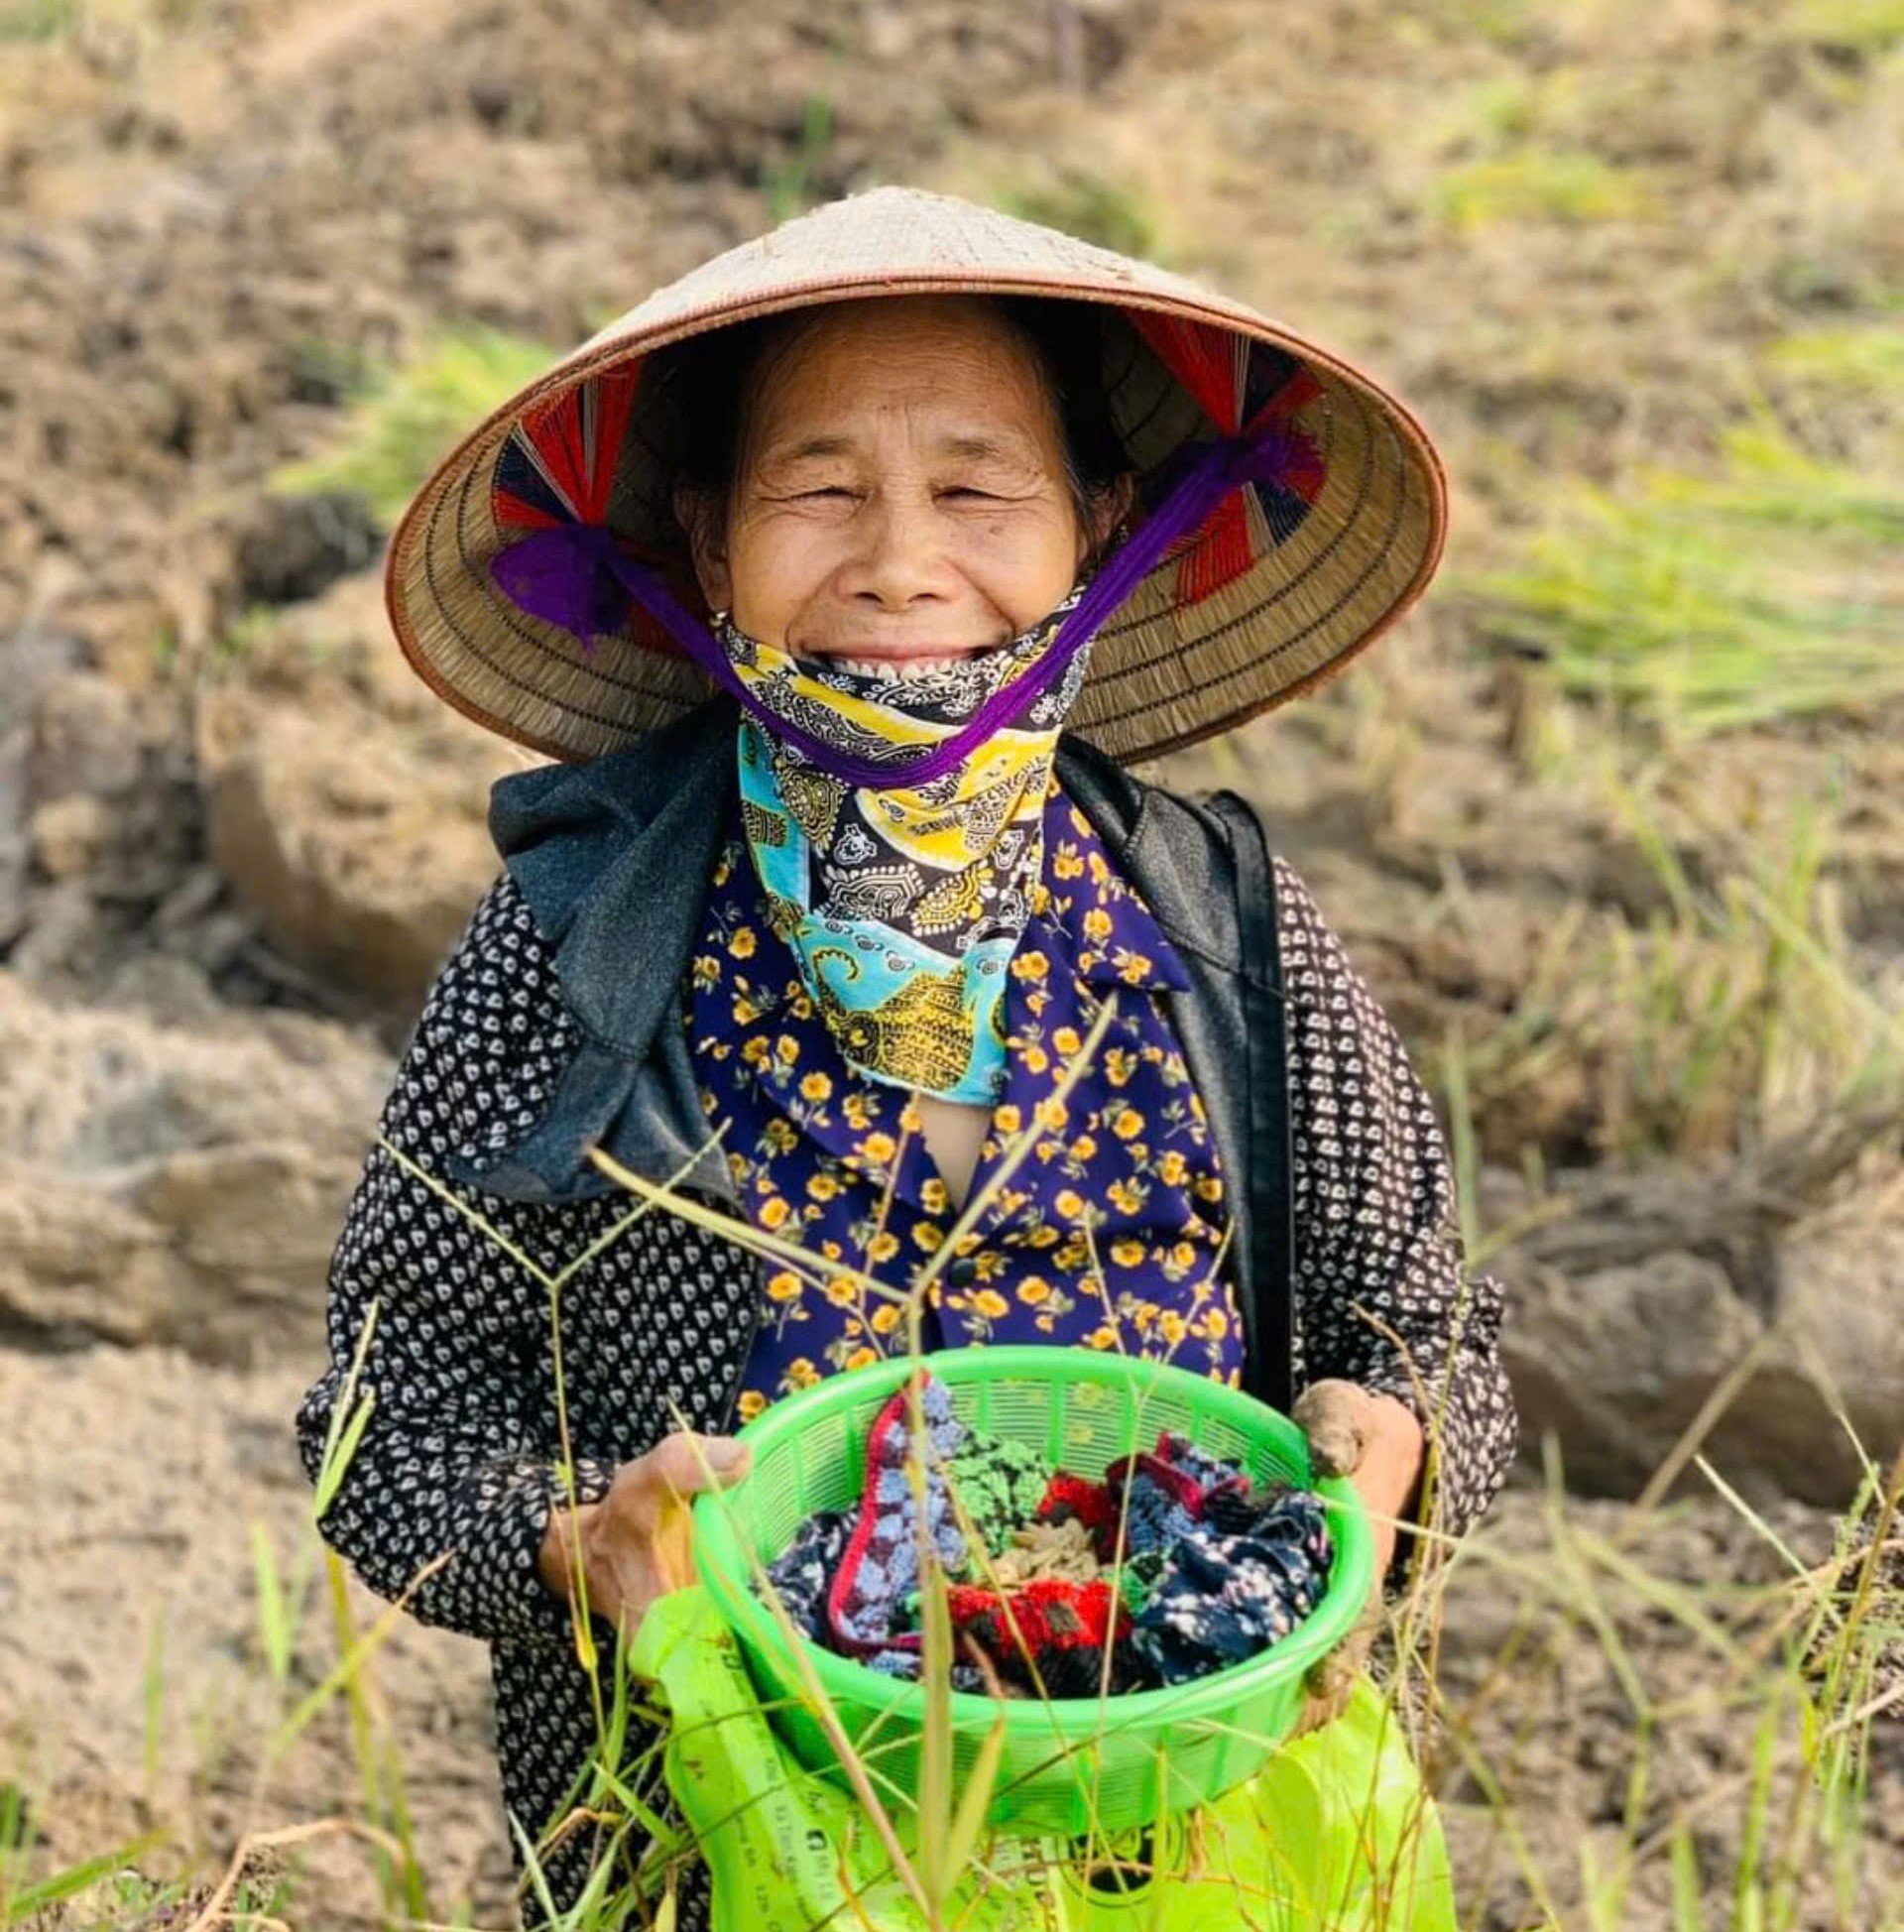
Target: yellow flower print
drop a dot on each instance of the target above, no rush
(1184, 1254)
(1084, 1147)
(774, 1213)
(745, 1014)
(741, 942)
(1069, 1203)
(1053, 1114)
(878, 1146)
(1030, 965)
(1073, 1255)
(1080, 824)
(751, 1405)
(990, 1303)
(800, 1005)
(1127, 1125)
(1208, 1187)
(928, 1235)
(1100, 869)
(1216, 1324)
(932, 1195)
(1119, 1063)
(859, 1115)
(815, 1086)
(1126, 1196)
(1067, 862)
(842, 1290)
(754, 1051)
(1173, 1326)
(786, 1050)
(781, 1134)
(1171, 1168)
(1043, 1238)
(1134, 968)
(862, 1358)
(737, 1165)
(1035, 1058)
(990, 1265)
(1033, 1290)
(1097, 924)
(800, 1374)
(1067, 1040)
(885, 1318)
(823, 1187)
(1007, 1118)
(783, 1286)
(883, 1247)
(1127, 1252)
(1103, 1336)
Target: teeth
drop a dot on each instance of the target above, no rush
(895, 670)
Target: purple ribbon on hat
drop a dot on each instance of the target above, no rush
(576, 576)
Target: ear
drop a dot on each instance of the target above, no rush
(1108, 510)
(704, 518)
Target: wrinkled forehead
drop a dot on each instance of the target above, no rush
(955, 373)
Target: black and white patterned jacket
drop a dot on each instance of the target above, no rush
(555, 1022)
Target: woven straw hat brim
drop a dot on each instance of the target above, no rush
(1216, 634)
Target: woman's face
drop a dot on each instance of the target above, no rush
(900, 494)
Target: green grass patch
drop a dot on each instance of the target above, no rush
(1090, 206)
(28, 22)
(1866, 361)
(1561, 184)
(1862, 26)
(1772, 588)
(403, 420)
(791, 185)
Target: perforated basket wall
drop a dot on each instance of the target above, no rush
(1069, 1765)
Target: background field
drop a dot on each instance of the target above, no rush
(1614, 823)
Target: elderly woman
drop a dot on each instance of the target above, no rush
(800, 571)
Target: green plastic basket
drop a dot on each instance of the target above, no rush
(1069, 1765)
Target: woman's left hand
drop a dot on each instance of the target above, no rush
(1377, 1443)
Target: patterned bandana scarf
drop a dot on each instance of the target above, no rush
(903, 907)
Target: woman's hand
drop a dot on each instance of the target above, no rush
(636, 1543)
(1375, 1441)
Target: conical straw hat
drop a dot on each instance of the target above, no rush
(1279, 588)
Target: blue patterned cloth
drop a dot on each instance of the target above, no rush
(1107, 1236)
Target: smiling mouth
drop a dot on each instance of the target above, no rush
(894, 667)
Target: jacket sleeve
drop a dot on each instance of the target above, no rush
(456, 1458)
(1376, 1224)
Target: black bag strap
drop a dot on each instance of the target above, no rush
(1268, 1317)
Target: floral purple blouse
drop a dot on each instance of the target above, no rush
(1109, 1233)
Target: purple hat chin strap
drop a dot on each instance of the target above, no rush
(563, 576)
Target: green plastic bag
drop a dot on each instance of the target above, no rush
(1334, 1834)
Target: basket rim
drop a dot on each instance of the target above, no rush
(725, 1570)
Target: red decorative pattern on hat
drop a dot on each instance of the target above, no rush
(1215, 365)
(558, 465)
(558, 471)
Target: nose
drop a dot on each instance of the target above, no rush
(901, 559)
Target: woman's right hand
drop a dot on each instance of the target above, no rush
(636, 1543)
